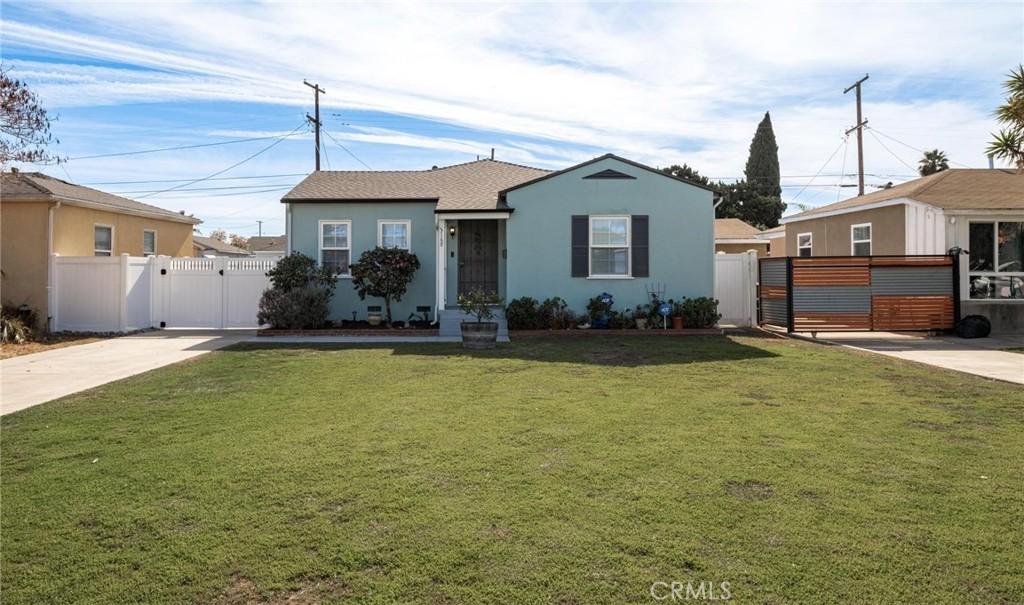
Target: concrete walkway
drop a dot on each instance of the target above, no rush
(29, 380)
(979, 356)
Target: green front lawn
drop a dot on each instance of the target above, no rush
(548, 471)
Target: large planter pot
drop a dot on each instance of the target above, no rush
(479, 335)
(374, 319)
(677, 323)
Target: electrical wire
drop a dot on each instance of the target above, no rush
(256, 186)
(346, 149)
(235, 165)
(891, 152)
(909, 146)
(178, 148)
(846, 150)
(222, 178)
(841, 143)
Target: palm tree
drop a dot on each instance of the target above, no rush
(932, 162)
(1009, 143)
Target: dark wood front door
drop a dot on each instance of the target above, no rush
(478, 256)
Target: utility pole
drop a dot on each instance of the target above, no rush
(861, 123)
(315, 119)
(260, 223)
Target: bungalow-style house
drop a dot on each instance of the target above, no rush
(980, 211)
(606, 225)
(41, 215)
(733, 235)
(776, 238)
(210, 247)
(267, 246)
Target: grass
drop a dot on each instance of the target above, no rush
(546, 471)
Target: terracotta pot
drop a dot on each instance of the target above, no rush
(677, 323)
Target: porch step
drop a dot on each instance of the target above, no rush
(451, 322)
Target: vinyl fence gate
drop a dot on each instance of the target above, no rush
(859, 293)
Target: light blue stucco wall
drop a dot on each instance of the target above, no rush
(304, 238)
(539, 235)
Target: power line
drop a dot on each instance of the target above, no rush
(328, 133)
(176, 195)
(846, 149)
(912, 147)
(841, 143)
(222, 178)
(886, 147)
(235, 165)
(256, 186)
(178, 148)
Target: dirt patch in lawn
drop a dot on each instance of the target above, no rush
(244, 591)
(53, 341)
(624, 357)
(749, 490)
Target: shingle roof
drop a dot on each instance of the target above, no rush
(215, 244)
(734, 228)
(35, 185)
(267, 243)
(469, 186)
(953, 189)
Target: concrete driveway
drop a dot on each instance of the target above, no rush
(29, 380)
(986, 357)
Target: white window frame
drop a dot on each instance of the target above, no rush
(591, 245)
(112, 246)
(809, 246)
(853, 242)
(995, 272)
(320, 243)
(408, 231)
(144, 232)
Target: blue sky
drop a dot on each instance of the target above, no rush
(414, 85)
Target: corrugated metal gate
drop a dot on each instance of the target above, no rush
(849, 293)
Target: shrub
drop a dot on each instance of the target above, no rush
(298, 271)
(303, 308)
(599, 310)
(523, 314)
(700, 312)
(478, 303)
(555, 314)
(384, 273)
(16, 325)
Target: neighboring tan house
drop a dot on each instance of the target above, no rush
(606, 225)
(209, 247)
(734, 235)
(41, 215)
(980, 211)
(776, 238)
(268, 246)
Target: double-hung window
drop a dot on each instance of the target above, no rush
(394, 234)
(336, 246)
(803, 244)
(996, 263)
(860, 239)
(609, 246)
(102, 240)
(148, 242)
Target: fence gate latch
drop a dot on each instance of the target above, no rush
(221, 272)
(163, 271)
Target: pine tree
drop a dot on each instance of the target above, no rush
(762, 170)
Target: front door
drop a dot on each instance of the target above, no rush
(478, 256)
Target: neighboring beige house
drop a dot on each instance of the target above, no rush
(734, 235)
(210, 247)
(776, 238)
(268, 245)
(41, 215)
(978, 210)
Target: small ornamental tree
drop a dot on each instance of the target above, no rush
(384, 273)
(299, 271)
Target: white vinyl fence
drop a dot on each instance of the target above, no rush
(123, 293)
(736, 288)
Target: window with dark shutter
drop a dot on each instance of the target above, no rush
(641, 246)
(580, 244)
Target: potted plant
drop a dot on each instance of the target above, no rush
(640, 316)
(374, 315)
(599, 310)
(678, 312)
(480, 334)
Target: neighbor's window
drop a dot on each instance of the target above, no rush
(609, 246)
(336, 245)
(394, 234)
(803, 244)
(860, 240)
(102, 240)
(148, 242)
(996, 263)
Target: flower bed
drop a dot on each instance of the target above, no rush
(354, 331)
(613, 332)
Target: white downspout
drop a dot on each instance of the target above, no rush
(50, 302)
(440, 258)
(288, 229)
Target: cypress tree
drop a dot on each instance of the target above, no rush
(762, 169)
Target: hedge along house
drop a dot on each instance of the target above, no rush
(606, 225)
(978, 210)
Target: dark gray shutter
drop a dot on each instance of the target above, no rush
(580, 245)
(641, 246)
